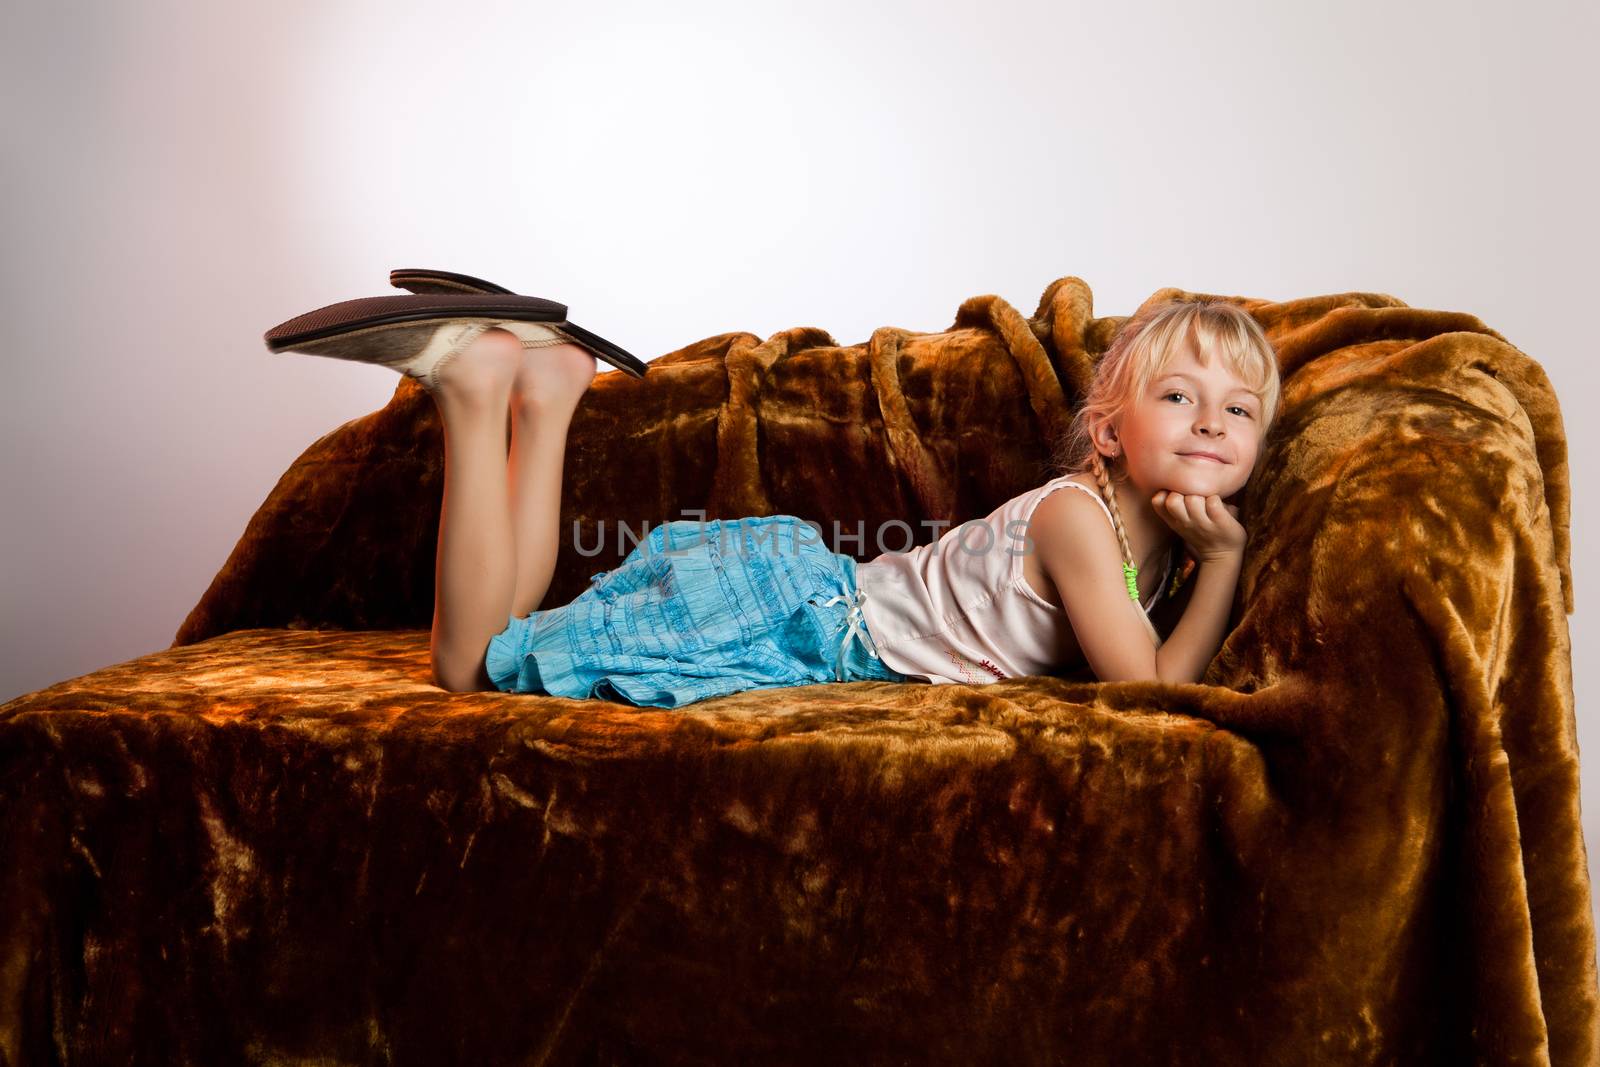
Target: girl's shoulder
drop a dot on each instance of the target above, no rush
(1061, 514)
(1080, 480)
(1085, 480)
(1057, 492)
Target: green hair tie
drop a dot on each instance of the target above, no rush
(1131, 573)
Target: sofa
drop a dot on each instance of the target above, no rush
(1355, 841)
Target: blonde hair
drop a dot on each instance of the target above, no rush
(1144, 347)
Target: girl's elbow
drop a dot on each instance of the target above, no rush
(1171, 674)
(1132, 672)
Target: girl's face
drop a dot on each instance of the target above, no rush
(1188, 410)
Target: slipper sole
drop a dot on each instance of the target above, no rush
(347, 315)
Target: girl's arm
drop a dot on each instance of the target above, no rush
(1193, 643)
(1079, 553)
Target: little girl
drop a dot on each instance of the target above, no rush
(1171, 427)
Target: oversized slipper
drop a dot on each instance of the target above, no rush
(418, 335)
(420, 280)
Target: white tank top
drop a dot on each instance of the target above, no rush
(960, 609)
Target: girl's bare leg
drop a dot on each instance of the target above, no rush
(549, 384)
(476, 558)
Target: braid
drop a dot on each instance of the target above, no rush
(1130, 570)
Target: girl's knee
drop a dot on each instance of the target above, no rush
(461, 674)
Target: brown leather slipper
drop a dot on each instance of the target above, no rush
(416, 335)
(422, 280)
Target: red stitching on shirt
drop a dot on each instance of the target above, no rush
(963, 663)
(966, 672)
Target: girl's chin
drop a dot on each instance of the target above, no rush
(1195, 478)
(1204, 482)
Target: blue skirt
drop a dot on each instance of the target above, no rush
(698, 609)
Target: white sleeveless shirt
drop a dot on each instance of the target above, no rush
(960, 609)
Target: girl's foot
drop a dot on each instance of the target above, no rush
(482, 371)
(553, 377)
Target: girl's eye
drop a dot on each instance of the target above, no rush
(1243, 411)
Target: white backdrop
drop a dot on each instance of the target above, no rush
(181, 176)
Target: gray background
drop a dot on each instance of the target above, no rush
(181, 176)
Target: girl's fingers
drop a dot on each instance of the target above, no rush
(1193, 511)
(1196, 512)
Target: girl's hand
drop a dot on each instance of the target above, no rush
(1208, 526)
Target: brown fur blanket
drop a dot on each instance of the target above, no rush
(1357, 842)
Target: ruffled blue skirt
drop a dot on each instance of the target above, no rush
(697, 610)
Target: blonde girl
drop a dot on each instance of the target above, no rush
(1189, 376)
(703, 609)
